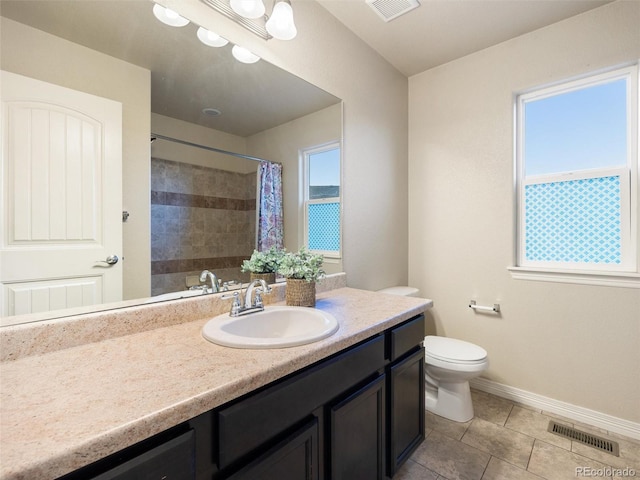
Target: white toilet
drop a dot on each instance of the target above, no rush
(449, 365)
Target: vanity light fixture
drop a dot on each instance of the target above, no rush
(280, 25)
(243, 55)
(169, 17)
(210, 38)
(248, 8)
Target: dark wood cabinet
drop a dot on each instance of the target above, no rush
(294, 458)
(358, 414)
(358, 434)
(172, 460)
(406, 408)
(247, 423)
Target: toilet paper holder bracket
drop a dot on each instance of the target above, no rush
(481, 308)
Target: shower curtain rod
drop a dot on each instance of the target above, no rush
(211, 149)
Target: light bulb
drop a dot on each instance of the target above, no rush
(243, 55)
(169, 17)
(280, 25)
(248, 8)
(211, 38)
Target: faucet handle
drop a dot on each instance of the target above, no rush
(229, 283)
(258, 302)
(235, 306)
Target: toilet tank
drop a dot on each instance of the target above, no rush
(401, 290)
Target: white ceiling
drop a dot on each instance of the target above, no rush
(439, 31)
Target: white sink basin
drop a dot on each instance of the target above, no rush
(274, 327)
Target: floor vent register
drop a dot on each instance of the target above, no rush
(586, 438)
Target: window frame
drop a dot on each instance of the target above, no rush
(625, 273)
(305, 153)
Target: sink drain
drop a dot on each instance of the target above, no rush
(586, 438)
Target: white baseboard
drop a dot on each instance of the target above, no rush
(573, 412)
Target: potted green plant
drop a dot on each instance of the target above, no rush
(302, 269)
(264, 265)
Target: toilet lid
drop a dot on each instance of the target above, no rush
(453, 350)
(401, 290)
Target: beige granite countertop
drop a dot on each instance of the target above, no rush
(63, 409)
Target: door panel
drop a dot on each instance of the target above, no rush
(43, 296)
(57, 161)
(62, 201)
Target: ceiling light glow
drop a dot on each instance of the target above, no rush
(243, 55)
(210, 38)
(248, 8)
(169, 17)
(280, 25)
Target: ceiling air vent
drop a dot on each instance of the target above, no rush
(390, 9)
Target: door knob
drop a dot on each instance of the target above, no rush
(111, 260)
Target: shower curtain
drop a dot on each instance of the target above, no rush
(270, 213)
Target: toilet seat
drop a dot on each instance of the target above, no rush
(452, 350)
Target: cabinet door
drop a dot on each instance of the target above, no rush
(406, 397)
(295, 458)
(248, 424)
(358, 434)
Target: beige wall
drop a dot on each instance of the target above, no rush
(207, 137)
(283, 144)
(574, 343)
(328, 55)
(36, 54)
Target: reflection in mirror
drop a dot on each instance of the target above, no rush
(203, 217)
(164, 78)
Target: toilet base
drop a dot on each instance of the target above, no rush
(450, 400)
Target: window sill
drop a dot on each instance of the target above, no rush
(332, 258)
(604, 279)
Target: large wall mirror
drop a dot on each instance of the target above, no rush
(189, 207)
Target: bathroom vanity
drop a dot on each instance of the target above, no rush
(349, 406)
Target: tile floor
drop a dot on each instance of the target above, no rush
(508, 441)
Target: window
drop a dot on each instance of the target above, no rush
(322, 208)
(577, 174)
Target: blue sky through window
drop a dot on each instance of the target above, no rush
(324, 168)
(577, 130)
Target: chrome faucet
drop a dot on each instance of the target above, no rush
(212, 277)
(229, 283)
(263, 288)
(242, 306)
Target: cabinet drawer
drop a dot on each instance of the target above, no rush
(173, 460)
(254, 420)
(406, 337)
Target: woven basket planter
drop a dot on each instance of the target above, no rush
(270, 278)
(300, 293)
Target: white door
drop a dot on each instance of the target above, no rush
(61, 205)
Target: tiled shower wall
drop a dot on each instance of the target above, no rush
(201, 218)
